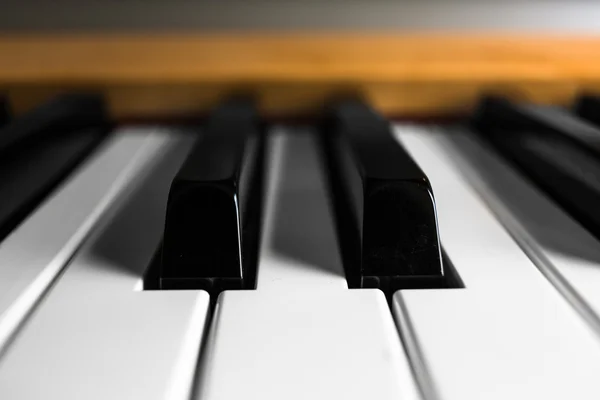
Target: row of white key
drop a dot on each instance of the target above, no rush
(33, 255)
(302, 333)
(562, 249)
(508, 334)
(93, 336)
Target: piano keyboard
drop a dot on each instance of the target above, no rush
(352, 258)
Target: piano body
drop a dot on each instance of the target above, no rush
(299, 214)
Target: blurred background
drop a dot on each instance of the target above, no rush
(572, 16)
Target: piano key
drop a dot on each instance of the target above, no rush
(34, 254)
(509, 333)
(298, 230)
(94, 336)
(587, 107)
(28, 175)
(302, 334)
(40, 148)
(566, 253)
(495, 114)
(213, 213)
(378, 188)
(62, 115)
(539, 145)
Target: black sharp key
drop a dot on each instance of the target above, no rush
(40, 148)
(65, 113)
(588, 108)
(552, 120)
(567, 170)
(4, 111)
(385, 209)
(213, 213)
(27, 177)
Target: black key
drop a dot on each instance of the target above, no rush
(385, 209)
(213, 212)
(552, 120)
(38, 150)
(4, 111)
(557, 156)
(63, 114)
(588, 107)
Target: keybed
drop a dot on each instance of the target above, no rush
(347, 256)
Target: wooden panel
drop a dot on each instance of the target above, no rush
(415, 74)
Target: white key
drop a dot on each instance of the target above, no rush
(302, 334)
(299, 246)
(508, 334)
(566, 253)
(93, 336)
(35, 252)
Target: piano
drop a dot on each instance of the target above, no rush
(297, 216)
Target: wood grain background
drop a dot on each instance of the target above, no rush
(295, 73)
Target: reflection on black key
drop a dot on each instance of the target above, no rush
(566, 169)
(213, 212)
(40, 148)
(588, 108)
(384, 204)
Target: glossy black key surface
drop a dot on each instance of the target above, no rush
(39, 149)
(384, 204)
(213, 213)
(567, 170)
(588, 107)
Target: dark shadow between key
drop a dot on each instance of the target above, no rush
(304, 227)
(140, 216)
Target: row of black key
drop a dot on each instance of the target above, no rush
(384, 205)
(212, 224)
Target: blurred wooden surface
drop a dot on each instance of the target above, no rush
(294, 74)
